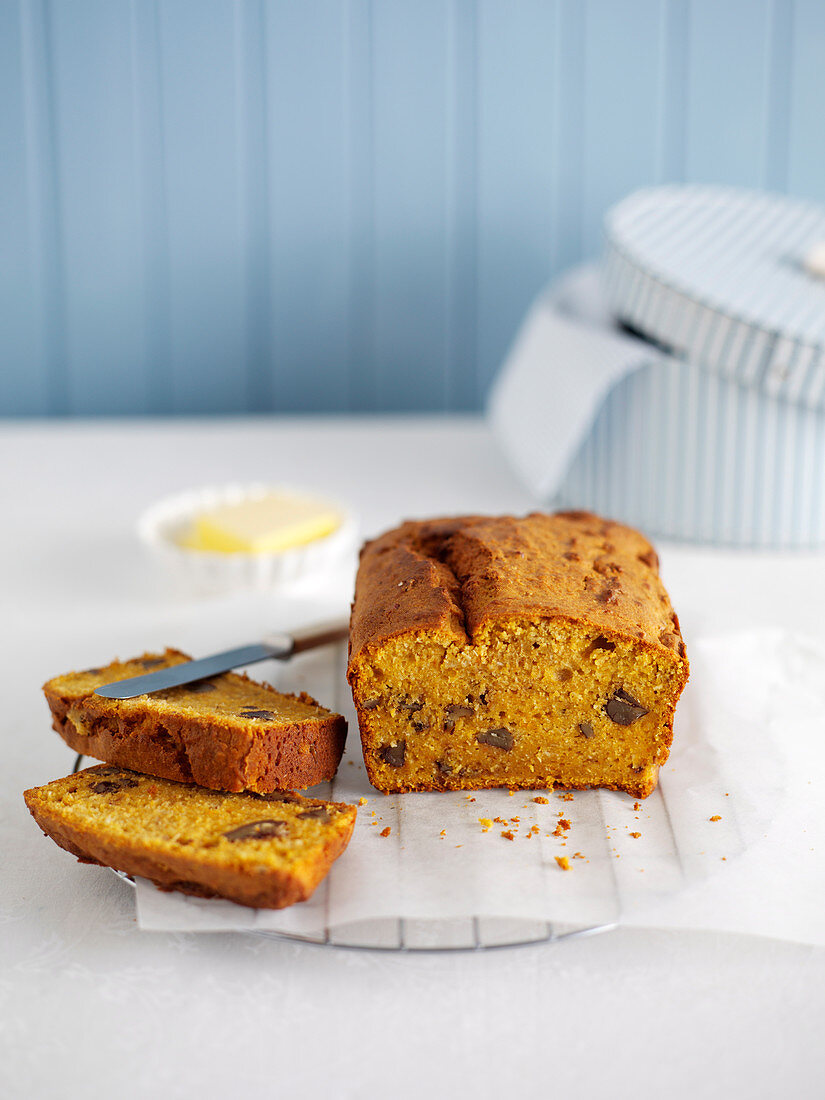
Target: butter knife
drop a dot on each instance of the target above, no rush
(274, 646)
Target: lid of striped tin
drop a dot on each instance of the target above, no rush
(718, 276)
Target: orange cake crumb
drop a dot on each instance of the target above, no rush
(716, 817)
(635, 835)
(507, 835)
(385, 831)
(542, 801)
(563, 862)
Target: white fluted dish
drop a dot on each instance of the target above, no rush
(163, 527)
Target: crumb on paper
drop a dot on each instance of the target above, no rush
(515, 820)
(362, 801)
(500, 820)
(443, 832)
(635, 835)
(636, 806)
(566, 797)
(485, 823)
(511, 793)
(507, 834)
(565, 824)
(578, 855)
(716, 817)
(564, 863)
(542, 801)
(385, 831)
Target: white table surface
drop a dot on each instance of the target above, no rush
(91, 1007)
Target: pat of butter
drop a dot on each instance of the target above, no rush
(263, 525)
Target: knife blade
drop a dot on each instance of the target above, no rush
(274, 646)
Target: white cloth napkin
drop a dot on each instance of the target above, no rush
(732, 839)
(566, 358)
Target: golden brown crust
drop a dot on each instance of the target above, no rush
(270, 886)
(459, 575)
(220, 751)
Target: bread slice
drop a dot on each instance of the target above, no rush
(266, 852)
(228, 733)
(526, 653)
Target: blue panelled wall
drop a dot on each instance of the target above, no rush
(328, 205)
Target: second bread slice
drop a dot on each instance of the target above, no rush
(262, 851)
(227, 733)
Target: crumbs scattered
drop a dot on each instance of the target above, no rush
(485, 823)
(637, 806)
(507, 834)
(564, 823)
(566, 797)
(385, 831)
(542, 801)
(635, 835)
(443, 832)
(564, 863)
(716, 817)
(362, 801)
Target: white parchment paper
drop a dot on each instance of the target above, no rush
(732, 839)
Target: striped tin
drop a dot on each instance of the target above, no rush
(717, 275)
(722, 439)
(685, 453)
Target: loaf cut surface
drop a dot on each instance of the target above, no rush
(227, 733)
(521, 652)
(263, 851)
